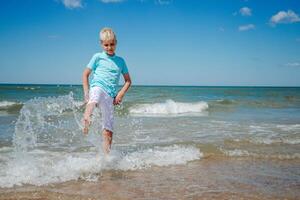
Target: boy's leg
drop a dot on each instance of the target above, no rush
(87, 117)
(107, 110)
(107, 140)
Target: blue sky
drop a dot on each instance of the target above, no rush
(164, 42)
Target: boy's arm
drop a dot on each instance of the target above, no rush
(121, 93)
(85, 83)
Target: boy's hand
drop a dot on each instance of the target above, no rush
(118, 99)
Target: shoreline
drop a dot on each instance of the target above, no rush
(208, 178)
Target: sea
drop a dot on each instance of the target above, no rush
(169, 142)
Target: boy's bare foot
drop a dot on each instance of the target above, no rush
(86, 125)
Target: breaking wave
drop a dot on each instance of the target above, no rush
(169, 107)
(41, 167)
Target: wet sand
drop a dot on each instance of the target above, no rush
(208, 178)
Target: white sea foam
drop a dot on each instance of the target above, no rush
(169, 107)
(40, 167)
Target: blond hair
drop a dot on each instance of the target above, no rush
(107, 34)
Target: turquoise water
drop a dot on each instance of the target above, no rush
(41, 138)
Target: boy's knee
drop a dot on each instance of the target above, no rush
(107, 133)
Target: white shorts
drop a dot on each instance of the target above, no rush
(105, 102)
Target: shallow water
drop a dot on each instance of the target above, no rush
(156, 128)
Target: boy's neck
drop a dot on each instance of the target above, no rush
(110, 54)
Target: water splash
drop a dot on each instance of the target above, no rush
(46, 120)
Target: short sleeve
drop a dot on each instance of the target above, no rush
(124, 68)
(93, 63)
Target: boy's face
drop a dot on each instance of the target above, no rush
(109, 46)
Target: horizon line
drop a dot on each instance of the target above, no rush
(146, 85)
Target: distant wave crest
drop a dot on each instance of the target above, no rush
(169, 107)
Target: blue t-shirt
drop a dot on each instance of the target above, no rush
(106, 72)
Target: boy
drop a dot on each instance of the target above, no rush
(106, 68)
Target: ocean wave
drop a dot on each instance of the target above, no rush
(264, 141)
(236, 152)
(251, 103)
(169, 107)
(160, 156)
(226, 101)
(28, 87)
(6, 149)
(246, 153)
(289, 127)
(270, 141)
(41, 167)
(8, 104)
(15, 107)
